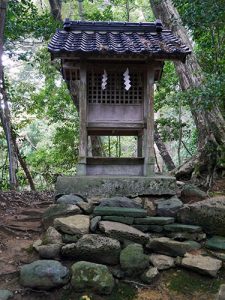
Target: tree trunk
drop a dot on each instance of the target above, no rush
(4, 107)
(81, 9)
(23, 163)
(56, 7)
(163, 151)
(190, 75)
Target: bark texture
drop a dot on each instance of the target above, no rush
(163, 151)
(4, 106)
(56, 8)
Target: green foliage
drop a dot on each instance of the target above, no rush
(23, 19)
(205, 19)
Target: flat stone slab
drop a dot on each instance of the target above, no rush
(57, 211)
(154, 221)
(78, 224)
(170, 247)
(182, 228)
(110, 186)
(119, 211)
(124, 220)
(216, 243)
(123, 232)
(202, 264)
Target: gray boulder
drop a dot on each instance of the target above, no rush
(122, 232)
(120, 202)
(170, 247)
(69, 199)
(51, 251)
(44, 274)
(162, 262)
(168, 207)
(51, 236)
(191, 193)
(94, 248)
(90, 276)
(209, 214)
(149, 275)
(58, 210)
(202, 264)
(133, 261)
(5, 295)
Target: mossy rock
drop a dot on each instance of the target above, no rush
(133, 260)
(91, 276)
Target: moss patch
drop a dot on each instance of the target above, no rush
(185, 282)
(122, 291)
(30, 249)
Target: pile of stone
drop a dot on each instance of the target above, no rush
(115, 239)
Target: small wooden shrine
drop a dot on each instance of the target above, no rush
(110, 69)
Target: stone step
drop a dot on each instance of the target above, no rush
(182, 228)
(216, 243)
(123, 232)
(120, 219)
(170, 247)
(120, 211)
(154, 221)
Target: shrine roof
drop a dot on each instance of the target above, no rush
(117, 38)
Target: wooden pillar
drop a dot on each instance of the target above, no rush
(149, 162)
(81, 168)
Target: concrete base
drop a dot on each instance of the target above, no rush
(109, 186)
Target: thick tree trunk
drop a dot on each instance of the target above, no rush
(56, 7)
(4, 106)
(190, 75)
(163, 151)
(210, 124)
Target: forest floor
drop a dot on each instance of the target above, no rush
(20, 226)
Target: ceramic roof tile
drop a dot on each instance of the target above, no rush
(117, 38)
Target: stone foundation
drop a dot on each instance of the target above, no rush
(106, 186)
